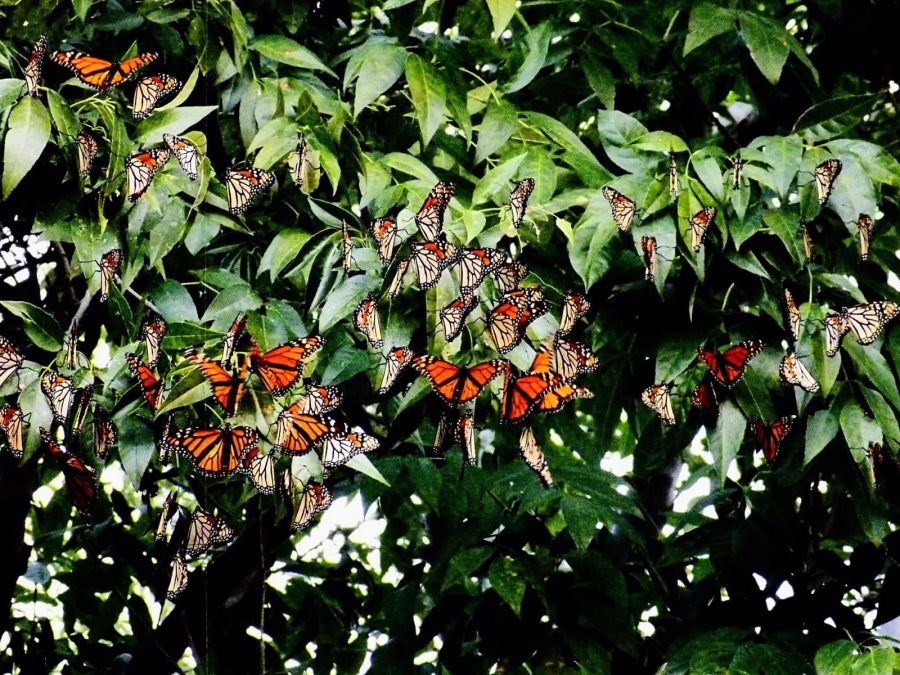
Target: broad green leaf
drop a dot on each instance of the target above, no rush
(581, 519)
(320, 143)
(174, 302)
(429, 95)
(203, 230)
(33, 400)
(859, 429)
(874, 661)
(768, 44)
(282, 250)
(412, 166)
(189, 388)
(382, 67)
(821, 428)
(507, 579)
(725, 439)
(659, 141)
(26, 137)
(499, 123)
(828, 110)
(501, 13)
(175, 121)
(463, 565)
(706, 22)
(185, 93)
(601, 80)
(343, 300)
(537, 42)
(40, 326)
(871, 362)
(63, 117)
(10, 91)
(835, 658)
(346, 362)
(783, 156)
(592, 233)
(230, 301)
(181, 334)
(577, 154)
(136, 446)
(285, 50)
(496, 179)
(883, 413)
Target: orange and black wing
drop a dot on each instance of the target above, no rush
(80, 479)
(457, 385)
(35, 65)
(140, 169)
(60, 393)
(153, 330)
(12, 423)
(518, 200)
(151, 387)
(367, 322)
(430, 218)
(231, 338)
(87, 150)
(105, 432)
(729, 367)
(296, 432)
(509, 275)
(398, 359)
(770, 436)
(227, 388)
(280, 369)
(521, 395)
(110, 263)
(243, 185)
(575, 306)
(99, 73)
(704, 399)
(384, 231)
(186, 154)
(430, 258)
(825, 175)
(149, 91)
(10, 360)
(453, 316)
(474, 264)
(623, 208)
(700, 223)
(215, 452)
(315, 499)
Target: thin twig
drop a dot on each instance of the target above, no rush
(147, 302)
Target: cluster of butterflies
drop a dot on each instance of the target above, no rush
(242, 184)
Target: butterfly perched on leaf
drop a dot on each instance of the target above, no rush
(700, 223)
(575, 306)
(825, 175)
(648, 251)
(186, 154)
(673, 176)
(397, 282)
(243, 185)
(509, 275)
(110, 264)
(12, 426)
(571, 358)
(729, 366)
(807, 239)
(396, 361)
(865, 321)
(793, 372)
(101, 74)
(82, 404)
(319, 399)
(231, 338)
(793, 314)
(384, 231)
(227, 388)
(866, 226)
(153, 330)
(204, 531)
(835, 330)
(214, 452)
(430, 218)
(342, 444)
(80, 479)
(456, 385)
(35, 65)
(517, 310)
(453, 316)
(10, 360)
(522, 394)
(71, 347)
(623, 208)
(366, 321)
(261, 469)
(474, 264)
(149, 91)
(518, 200)
(737, 171)
(314, 499)
(770, 436)
(430, 258)
(346, 248)
(60, 393)
(87, 148)
(534, 457)
(296, 431)
(299, 163)
(281, 369)
(151, 386)
(105, 432)
(140, 169)
(169, 509)
(658, 398)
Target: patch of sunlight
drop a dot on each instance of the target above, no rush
(784, 591)
(614, 463)
(687, 498)
(425, 657)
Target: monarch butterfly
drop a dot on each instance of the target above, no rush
(575, 306)
(793, 313)
(518, 200)
(149, 91)
(521, 394)
(557, 396)
(346, 247)
(573, 358)
(296, 161)
(673, 176)
(659, 399)
(296, 432)
(366, 321)
(465, 437)
(825, 175)
(509, 275)
(835, 330)
(178, 582)
(10, 360)
(151, 387)
(397, 282)
(430, 218)
(281, 368)
(227, 389)
(71, 360)
(888, 309)
(80, 478)
(623, 208)
(453, 316)
(737, 171)
(105, 432)
(100, 74)
(11, 423)
(475, 264)
(165, 451)
(204, 531)
(704, 399)
(261, 469)
(457, 385)
(35, 64)
(169, 509)
(807, 239)
(110, 262)
(534, 457)
(319, 400)
(729, 366)
(508, 320)
(314, 499)
(140, 169)
(153, 330)
(186, 154)
(866, 226)
(287, 486)
(59, 392)
(398, 359)
(215, 452)
(770, 436)
(430, 258)
(82, 405)
(792, 371)
(87, 150)
(341, 445)
(700, 223)
(865, 321)
(243, 185)
(384, 232)
(231, 338)
(648, 250)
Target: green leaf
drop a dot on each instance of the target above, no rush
(63, 117)
(183, 334)
(577, 155)
(581, 519)
(835, 658)
(855, 106)
(26, 138)
(883, 413)
(231, 301)
(821, 429)
(405, 163)
(600, 79)
(174, 121)
(706, 22)
(874, 661)
(464, 564)
(659, 141)
(203, 230)
(537, 42)
(501, 13)
(289, 52)
(174, 302)
(346, 362)
(429, 95)
(362, 464)
(768, 44)
(10, 91)
(40, 326)
(871, 362)
(496, 179)
(725, 439)
(783, 156)
(190, 388)
(382, 67)
(859, 429)
(136, 446)
(343, 300)
(499, 123)
(283, 249)
(506, 578)
(185, 93)
(592, 233)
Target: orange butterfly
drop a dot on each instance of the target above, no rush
(227, 389)
(315, 499)
(100, 74)
(700, 223)
(518, 200)
(729, 366)
(430, 218)
(153, 330)
(575, 306)
(341, 445)
(296, 432)
(151, 387)
(384, 231)
(770, 436)
(534, 457)
(105, 432)
(509, 275)
(522, 394)
(110, 263)
(140, 169)
(366, 321)
(457, 385)
(474, 264)
(80, 478)
(453, 316)
(398, 359)
(11, 422)
(508, 320)
(319, 399)
(10, 360)
(430, 258)
(231, 338)
(280, 369)
(35, 63)
(215, 452)
(623, 208)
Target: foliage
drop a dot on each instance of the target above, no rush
(466, 570)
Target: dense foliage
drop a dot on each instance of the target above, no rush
(657, 548)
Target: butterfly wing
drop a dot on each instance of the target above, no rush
(186, 154)
(518, 200)
(12, 425)
(35, 65)
(534, 457)
(384, 231)
(99, 73)
(793, 313)
(430, 218)
(346, 248)
(704, 399)
(699, 225)
(825, 175)
(648, 249)
(227, 389)
(178, 581)
(296, 432)
(105, 432)
(397, 361)
(366, 321)
(509, 275)
(575, 306)
(835, 329)
(319, 400)
(453, 316)
(623, 208)
(314, 499)
(261, 469)
(149, 91)
(729, 367)
(87, 150)
(281, 368)
(474, 264)
(10, 360)
(153, 330)
(59, 392)
(865, 321)
(243, 185)
(341, 445)
(429, 259)
(793, 372)
(215, 452)
(231, 338)
(110, 263)
(80, 479)
(520, 395)
(140, 169)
